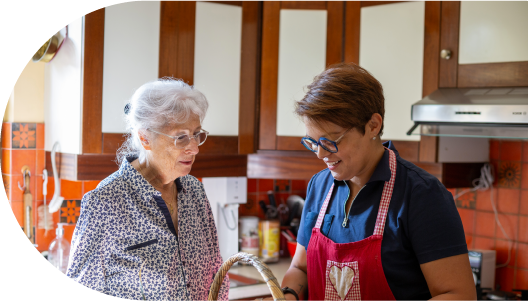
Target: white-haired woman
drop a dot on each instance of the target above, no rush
(147, 231)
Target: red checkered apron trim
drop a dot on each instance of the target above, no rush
(322, 212)
(352, 292)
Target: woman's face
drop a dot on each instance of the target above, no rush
(166, 158)
(354, 149)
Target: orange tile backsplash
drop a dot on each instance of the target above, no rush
(510, 195)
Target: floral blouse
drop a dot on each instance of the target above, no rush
(125, 243)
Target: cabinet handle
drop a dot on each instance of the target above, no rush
(445, 54)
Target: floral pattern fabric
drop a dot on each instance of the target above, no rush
(125, 244)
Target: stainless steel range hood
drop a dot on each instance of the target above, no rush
(482, 112)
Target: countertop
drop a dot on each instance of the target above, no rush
(278, 269)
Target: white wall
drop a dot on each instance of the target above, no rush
(131, 55)
(494, 31)
(217, 51)
(302, 56)
(63, 93)
(391, 48)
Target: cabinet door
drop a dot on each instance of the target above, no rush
(488, 44)
(397, 40)
(299, 39)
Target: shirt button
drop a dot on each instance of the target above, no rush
(188, 285)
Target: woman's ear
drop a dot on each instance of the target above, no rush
(144, 140)
(374, 124)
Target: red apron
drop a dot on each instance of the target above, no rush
(350, 271)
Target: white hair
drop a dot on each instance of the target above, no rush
(155, 105)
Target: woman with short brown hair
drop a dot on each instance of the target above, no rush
(374, 226)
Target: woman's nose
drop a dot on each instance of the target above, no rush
(321, 152)
(192, 147)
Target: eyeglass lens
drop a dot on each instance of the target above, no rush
(325, 144)
(184, 140)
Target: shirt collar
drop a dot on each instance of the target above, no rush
(382, 171)
(138, 183)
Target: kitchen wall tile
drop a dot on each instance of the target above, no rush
(7, 185)
(510, 150)
(524, 176)
(508, 200)
(70, 211)
(71, 190)
(505, 277)
(37, 193)
(522, 255)
(521, 282)
(265, 185)
(483, 243)
(40, 136)
(524, 202)
(503, 248)
(525, 151)
(89, 186)
(251, 207)
(509, 174)
(494, 149)
(484, 201)
(16, 193)
(51, 188)
(467, 199)
(23, 135)
(485, 225)
(468, 219)
(21, 157)
(252, 185)
(68, 232)
(40, 161)
(523, 226)
(510, 223)
(470, 241)
(6, 135)
(282, 186)
(298, 185)
(18, 211)
(6, 161)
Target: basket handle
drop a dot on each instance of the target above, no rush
(264, 270)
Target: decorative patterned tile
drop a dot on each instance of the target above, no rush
(6, 135)
(510, 150)
(509, 174)
(282, 185)
(70, 211)
(40, 136)
(467, 200)
(24, 135)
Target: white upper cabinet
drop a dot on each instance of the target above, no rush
(217, 51)
(492, 32)
(131, 54)
(302, 56)
(391, 48)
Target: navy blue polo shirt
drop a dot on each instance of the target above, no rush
(422, 223)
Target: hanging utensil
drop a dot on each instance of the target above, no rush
(28, 204)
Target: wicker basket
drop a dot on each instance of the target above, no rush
(266, 273)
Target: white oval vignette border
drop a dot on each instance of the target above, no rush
(24, 27)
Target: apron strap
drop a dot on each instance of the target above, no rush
(322, 212)
(386, 196)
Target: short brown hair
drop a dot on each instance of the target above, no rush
(344, 94)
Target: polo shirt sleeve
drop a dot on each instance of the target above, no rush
(309, 214)
(434, 225)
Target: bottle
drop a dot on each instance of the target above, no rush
(59, 250)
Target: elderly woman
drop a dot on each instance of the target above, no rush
(374, 226)
(147, 231)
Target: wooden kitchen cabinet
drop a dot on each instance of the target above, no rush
(488, 44)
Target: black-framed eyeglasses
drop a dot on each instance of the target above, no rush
(326, 144)
(182, 141)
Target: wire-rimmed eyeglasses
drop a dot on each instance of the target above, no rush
(182, 141)
(327, 144)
